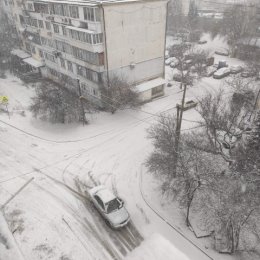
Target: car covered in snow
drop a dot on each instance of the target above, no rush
(222, 52)
(235, 69)
(202, 42)
(177, 76)
(187, 105)
(169, 61)
(248, 73)
(174, 63)
(110, 206)
(221, 73)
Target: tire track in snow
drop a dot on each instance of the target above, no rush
(84, 223)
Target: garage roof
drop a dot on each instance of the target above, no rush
(150, 84)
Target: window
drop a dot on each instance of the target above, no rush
(41, 8)
(28, 47)
(33, 50)
(113, 205)
(21, 19)
(64, 30)
(58, 9)
(89, 14)
(40, 23)
(97, 14)
(70, 66)
(87, 73)
(157, 90)
(48, 26)
(73, 11)
(62, 63)
(30, 6)
(48, 42)
(56, 28)
(40, 53)
(99, 201)
(50, 57)
(94, 92)
(35, 38)
(34, 23)
(86, 37)
(63, 46)
(84, 55)
(53, 72)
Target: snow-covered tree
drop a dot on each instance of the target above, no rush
(58, 104)
(118, 93)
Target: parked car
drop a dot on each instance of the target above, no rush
(248, 73)
(221, 73)
(236, 69)
(110, 207)
(202, 42)
(169, 60)
(174, 63)
(177, 76)
(188, 105)
(222, 52)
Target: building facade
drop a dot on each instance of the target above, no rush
(88, 42)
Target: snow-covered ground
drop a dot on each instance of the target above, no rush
(52, 218)
(156, 247)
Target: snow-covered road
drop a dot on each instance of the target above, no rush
(53, 218)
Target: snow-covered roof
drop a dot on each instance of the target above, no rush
(20, 53)
(106, 195)
(89, 2)
(33, 62)
(102, 191)
(155, 248)
(150, 84)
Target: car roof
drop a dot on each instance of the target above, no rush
(105, 195)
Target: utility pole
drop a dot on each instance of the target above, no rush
(178, 128)
(84, 120)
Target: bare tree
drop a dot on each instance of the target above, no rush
(58, 104)
(162, 159)
(119, 94)
(197, 173)
(195, 169)
(217, 171)
(228, 208)
(238, 22)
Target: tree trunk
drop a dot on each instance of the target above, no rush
(188, 212)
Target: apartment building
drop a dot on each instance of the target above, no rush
(85, 43)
